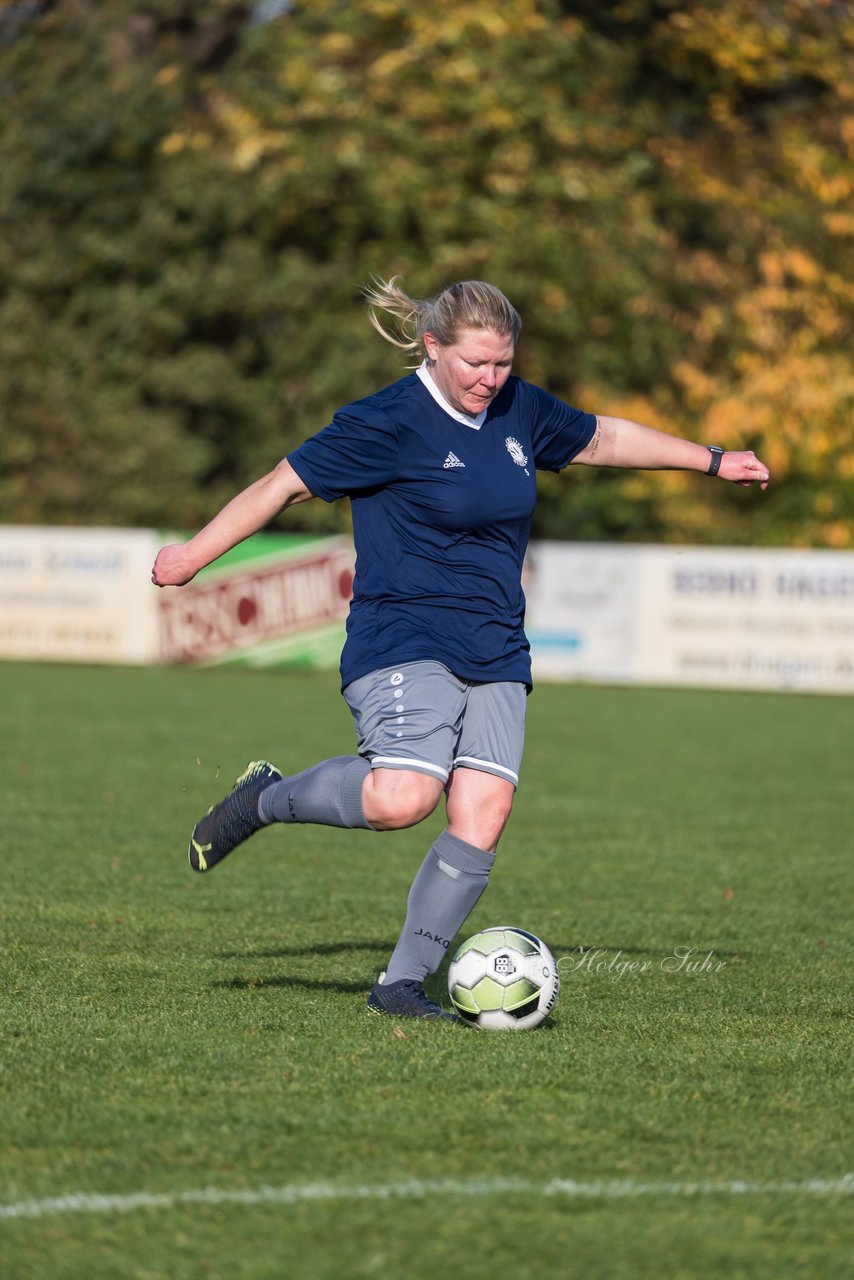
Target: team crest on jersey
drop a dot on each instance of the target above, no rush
(517, 453)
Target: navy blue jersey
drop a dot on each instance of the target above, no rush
(441, 520)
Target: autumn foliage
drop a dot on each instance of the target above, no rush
(192, 195)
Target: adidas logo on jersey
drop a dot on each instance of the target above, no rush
(452, 461)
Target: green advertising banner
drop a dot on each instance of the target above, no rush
(277, 599)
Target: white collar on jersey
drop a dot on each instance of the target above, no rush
(466, 419)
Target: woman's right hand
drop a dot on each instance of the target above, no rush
(171, 568)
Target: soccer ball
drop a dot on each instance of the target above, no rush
(503, 979)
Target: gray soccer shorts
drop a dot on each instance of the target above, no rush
(420, 716)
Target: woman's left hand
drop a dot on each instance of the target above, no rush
(744, 468)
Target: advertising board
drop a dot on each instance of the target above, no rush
(722, 617)
(77, 595)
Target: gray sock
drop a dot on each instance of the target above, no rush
(451, 879)
(329, 794)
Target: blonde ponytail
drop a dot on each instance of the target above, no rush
(470, 304)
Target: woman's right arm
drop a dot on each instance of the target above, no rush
(256, 506)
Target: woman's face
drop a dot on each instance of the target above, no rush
(471, 371)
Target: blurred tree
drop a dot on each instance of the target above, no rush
(754, 178)
(191, 195)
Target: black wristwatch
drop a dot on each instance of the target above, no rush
(715, 462)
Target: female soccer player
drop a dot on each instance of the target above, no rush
(440, 471)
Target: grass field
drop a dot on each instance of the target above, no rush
(187, 1059)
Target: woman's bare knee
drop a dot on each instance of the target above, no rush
(395, 798)
(479, 806)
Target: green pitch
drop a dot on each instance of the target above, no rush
(194, 1049)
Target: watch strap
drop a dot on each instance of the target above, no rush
(715, 461)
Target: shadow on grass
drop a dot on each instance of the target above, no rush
(433, 985)
(313, 949)
(386, 947)
(310, 949)
(288, 980)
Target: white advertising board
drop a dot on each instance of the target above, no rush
(85, 595)
(582, 606)
(760, 619)
(703, 616)
(77, 595)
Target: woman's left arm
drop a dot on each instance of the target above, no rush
(618, 442)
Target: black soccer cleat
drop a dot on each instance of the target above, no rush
(234, 819)
(405, 999)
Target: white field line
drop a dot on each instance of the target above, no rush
(302, 1193)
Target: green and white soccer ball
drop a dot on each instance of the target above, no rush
(503, 979)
